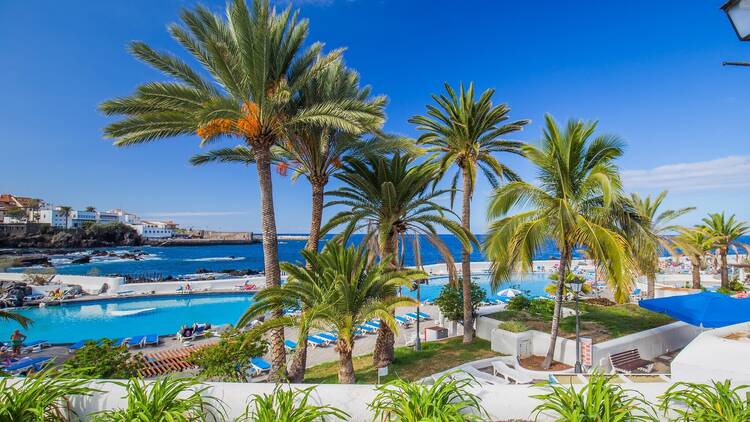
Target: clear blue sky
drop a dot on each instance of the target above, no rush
(649, 71)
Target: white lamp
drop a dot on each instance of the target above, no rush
(738, 12)
(575, 286)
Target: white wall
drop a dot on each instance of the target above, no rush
(171, 286)
(89, 284)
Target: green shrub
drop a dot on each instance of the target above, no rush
(288, 405)
(165, 399)
(518, 303)
(39, 397)
(719, 402)
(736, 286)
(542, 307)
(104, 360)
(451, 300)
(597, 401)
(229, 359)
(513, 326)
(446, 400)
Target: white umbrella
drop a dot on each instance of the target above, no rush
(509, 293)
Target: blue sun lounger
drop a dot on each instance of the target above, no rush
(151, 340)
(26, 364)
(260, 365)
(78, 345)
(316, 341)
(374, 323)
(424, 315)
(402, 321)
(290, 345)
(367, 329)
(327, 336)
(30, 346)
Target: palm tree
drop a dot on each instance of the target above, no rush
(258, 65)
(66, 212)
(650, 233)
(339, 288)
(13, 316)
(696, 243)
(90, 208)
(390, 198)
(467, 132)
(725, 232)
(315, 152)
(578, 183)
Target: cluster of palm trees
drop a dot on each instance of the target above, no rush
(303, 110)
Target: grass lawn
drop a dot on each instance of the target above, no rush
(409, 365)
(600, 322)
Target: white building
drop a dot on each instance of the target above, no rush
(78, 218)
(154, 229)
(125, 217)
(53, 217)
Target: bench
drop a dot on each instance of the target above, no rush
(630, 361)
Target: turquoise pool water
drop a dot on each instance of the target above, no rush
(98, 319)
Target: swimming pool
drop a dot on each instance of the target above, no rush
(72, 322)
(532, 284)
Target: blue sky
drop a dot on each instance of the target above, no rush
(649, 71)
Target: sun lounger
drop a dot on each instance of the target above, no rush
(499, 368)
(151, 340)
(481, 377)
(26, 364)
(358, 333)
(78, 345)
(403, 321)
(136, 341)
(290, 345)
(316, 342)
(35, 345)
(412, 316)
(367, 329)
(630, 361)
(372, 326)
(424, 315)
(327, 336)
(260, 365)
(374, 323)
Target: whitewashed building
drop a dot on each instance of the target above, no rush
(155, 229)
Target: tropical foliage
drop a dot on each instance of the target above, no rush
(43, 396)
(229, 359)
(105, 360)
(287, 404)
(447, 399)
(466, 132)
(599, 400)
(338, 289)
(578, 186)
(717, 402)
(390, 198)
(725, 232)
(450, 301)
(696, 243)
(165, 399)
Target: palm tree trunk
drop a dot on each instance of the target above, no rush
(562, 274)
(299, 360)
(346, 366)
(270, 253)
(466, 259)
(696, 270)
(384, 352)
(651, 285)
(724, 268)
(317, 215)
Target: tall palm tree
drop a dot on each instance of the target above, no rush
(316, 152)
(258, 65)
(66, 212)
(725, 232)
(578, 183)
(390, 197)
(13, 316)
(696, 243)
(466, 132)
(649, 235)
(339, 288)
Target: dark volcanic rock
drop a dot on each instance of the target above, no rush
(82, 260)
(31, 260)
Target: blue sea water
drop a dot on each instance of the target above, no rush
(181, 260)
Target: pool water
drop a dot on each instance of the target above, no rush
(72, 322)
(532, 284)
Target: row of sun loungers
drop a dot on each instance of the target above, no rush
(25, 364)
(139, 341)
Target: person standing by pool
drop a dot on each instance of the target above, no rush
(16, 341)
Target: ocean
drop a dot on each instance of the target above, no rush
(182, 260)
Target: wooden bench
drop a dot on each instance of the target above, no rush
(630, 361)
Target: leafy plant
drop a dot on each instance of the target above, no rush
(598, 401)
(708, 403)
(542, 307)
(451, 300)
(286, 404)
(166, 399)
(104, 360)
(446, 400)
(229, 359)
(41, 397)
(513, 326)
(518, 303)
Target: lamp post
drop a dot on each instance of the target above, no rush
(738, 12)
(576, 286)
(417, 342)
